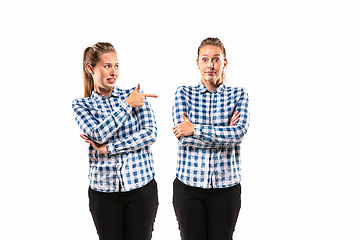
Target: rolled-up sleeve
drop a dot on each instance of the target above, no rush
(99, 131)
(146, 135)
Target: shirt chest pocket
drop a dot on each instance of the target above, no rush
(99, 114)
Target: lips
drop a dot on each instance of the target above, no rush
(111, 80)
(210, 73)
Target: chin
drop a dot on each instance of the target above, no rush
(210, 79)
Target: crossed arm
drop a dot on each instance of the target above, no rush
(186, 128)
(209, 136)
(136, 99)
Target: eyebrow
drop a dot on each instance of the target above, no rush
(207, 55)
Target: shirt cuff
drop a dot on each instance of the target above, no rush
(111, 148)
(197, 130)
(125, 106)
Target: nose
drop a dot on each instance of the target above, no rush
(113, 71)
(210, 64)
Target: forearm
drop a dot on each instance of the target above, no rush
(227, 134)
(220, 135)
(101, 131)
(191, 141)
(145, 136)
(133, 142)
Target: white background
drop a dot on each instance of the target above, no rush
(299, 61)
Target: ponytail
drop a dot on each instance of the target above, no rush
(88, 78)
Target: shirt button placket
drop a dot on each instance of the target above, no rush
(109, 108)
(211, 151)
(211, 108)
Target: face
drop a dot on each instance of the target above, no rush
(211, 63)
(105, 73)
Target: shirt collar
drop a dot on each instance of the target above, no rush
(203, 89)
(114, 93)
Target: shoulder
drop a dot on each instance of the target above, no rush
(84, 103)
(187, 89)
(238, 91)
(185, 93)
(121, 92)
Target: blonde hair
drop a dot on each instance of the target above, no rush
(217, 43)
(91, 57)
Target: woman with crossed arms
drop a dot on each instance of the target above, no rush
(120, 126)
(210, 121)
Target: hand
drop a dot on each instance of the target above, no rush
(183, 129)
(137, 99)
(234, 118)
(101, 148)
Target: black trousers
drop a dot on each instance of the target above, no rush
(206, 214)
(125, 215)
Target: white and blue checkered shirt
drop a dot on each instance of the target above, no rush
(128, 132)
(210, 158)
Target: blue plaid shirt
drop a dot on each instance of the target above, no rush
(210, 158)
(128, 132)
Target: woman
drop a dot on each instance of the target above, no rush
(120, 127)
(210, 121)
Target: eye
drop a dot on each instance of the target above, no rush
(106, 66)
(117, 66)
(217, 60)
(204, 59)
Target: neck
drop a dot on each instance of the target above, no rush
(103, 92)
(212, 85)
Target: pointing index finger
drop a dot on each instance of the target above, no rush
(150, 95)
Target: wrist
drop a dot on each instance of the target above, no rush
(128, 102)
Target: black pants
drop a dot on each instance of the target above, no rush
(125, 215)
(206, 214)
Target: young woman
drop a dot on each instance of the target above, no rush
(210, 121)
(120, 126)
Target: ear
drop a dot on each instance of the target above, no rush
(197, 63)
(225, 63)
(90, 69)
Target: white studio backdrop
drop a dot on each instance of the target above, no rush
(299, 61)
